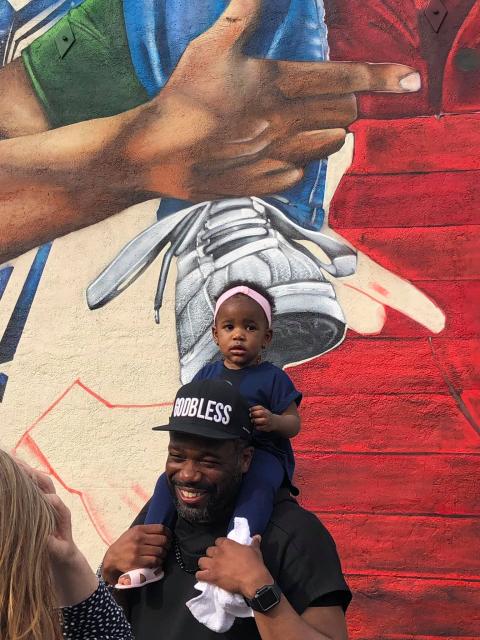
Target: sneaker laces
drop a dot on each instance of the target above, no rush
(220, 232)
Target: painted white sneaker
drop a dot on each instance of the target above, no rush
(238, 239)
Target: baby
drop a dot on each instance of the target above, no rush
(242, 329)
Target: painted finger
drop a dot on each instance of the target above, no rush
(265, 176)
(249, 143)
(235, 24)
(320, 78)
(309, 145)
(325, 112)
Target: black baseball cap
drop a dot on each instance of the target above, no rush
(211, 409)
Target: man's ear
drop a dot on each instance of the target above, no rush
(247, 455)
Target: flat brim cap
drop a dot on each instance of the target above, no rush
(193, 430)
(210, 409)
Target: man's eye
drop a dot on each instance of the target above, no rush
(210, 463)
(176, 457)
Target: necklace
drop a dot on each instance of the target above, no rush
(179, 558)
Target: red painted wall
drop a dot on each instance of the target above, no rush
(392, 422)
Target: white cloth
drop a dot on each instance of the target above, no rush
(215, 607)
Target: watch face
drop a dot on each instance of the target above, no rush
(267, 597)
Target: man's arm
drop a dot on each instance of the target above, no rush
(220, 567)
(316, 623)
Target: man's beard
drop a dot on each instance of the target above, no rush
(220, 499)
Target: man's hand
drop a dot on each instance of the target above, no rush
(228, 124)
(220, 567)
(144, 545)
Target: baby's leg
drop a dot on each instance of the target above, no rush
(257, 493)
(162, 508)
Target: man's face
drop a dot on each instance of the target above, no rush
(204, 475)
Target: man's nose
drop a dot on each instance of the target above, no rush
(189, 472)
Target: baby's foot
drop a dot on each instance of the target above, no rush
(138, 578)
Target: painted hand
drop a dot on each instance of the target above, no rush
(227, 124)
(220, 567)
(262, 418)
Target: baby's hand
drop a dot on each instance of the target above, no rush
(262, 418)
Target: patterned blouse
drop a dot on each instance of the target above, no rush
(98, 617)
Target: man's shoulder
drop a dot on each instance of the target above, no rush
(296, 525)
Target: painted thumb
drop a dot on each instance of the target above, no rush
(236, 23)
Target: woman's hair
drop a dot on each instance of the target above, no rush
(27, 599)
(251, 285)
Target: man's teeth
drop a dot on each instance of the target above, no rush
(190, 493)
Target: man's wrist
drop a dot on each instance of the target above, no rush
(255, 582)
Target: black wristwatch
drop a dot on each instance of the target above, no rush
(265, 598)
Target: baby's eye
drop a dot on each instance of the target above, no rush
(251, 327)
(228, 327)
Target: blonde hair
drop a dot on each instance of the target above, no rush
(27, 597)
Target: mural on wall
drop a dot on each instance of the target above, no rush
(372, 258)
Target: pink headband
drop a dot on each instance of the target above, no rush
(254, 295)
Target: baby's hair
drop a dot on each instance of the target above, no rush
(251, 285)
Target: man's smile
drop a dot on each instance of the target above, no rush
(190, 495)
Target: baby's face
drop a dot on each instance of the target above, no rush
(241, 331)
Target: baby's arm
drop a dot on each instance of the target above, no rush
(286, 425)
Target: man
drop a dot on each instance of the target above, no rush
(292, 581)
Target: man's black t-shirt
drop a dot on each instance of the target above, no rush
(297, 549)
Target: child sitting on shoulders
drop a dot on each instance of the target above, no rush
(242, 329)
